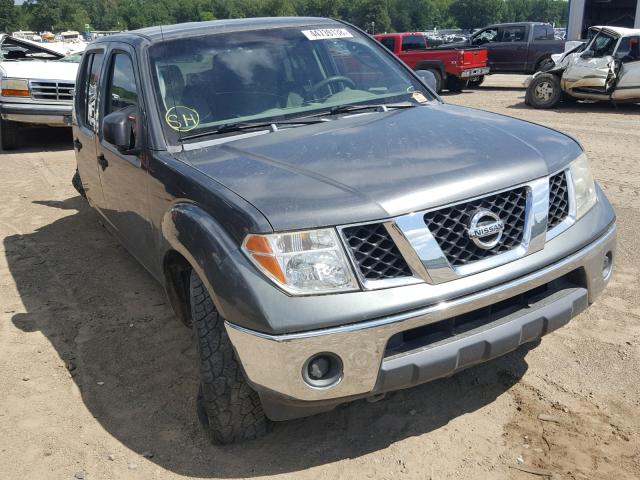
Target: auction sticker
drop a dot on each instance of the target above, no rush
(326, 33)
(182, 119)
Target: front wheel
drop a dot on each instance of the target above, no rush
(227, 407)
(8, 135)
(544, 91)
(456, 84)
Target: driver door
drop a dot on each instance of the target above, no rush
(628, 85)
(124, 176)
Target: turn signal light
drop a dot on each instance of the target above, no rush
(10, 92)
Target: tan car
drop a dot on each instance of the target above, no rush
(607, 68)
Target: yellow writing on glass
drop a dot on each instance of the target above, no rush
(182, 118)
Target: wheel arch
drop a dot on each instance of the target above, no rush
(194, 240)
(431, 65)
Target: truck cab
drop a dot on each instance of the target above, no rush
(517, 47)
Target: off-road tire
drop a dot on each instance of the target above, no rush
(456, 84)
(76, 181)
(544, 91)
(8, 135)
(227, 407)
(475, 82)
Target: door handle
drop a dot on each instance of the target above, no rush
(102, 161)
(77, 144)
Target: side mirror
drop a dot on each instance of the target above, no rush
(428, 78)
(118, 128)
(587, 54)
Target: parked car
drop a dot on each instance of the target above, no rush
(606, 68)
(36, 87)
(452, 67)
(326, 225)
(523, 47)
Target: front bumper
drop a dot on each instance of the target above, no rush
(273, 364)
(35, 113)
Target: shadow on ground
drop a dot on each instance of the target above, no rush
(587, 107)
(43, 139)
(108, 320)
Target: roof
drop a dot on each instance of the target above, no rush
(621, 31)
(179, 30)
(509, 24)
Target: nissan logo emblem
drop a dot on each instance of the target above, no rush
(485, 229)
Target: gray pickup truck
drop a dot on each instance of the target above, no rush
(523, 47)
(326, 225)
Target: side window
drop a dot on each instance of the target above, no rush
(551, 34)
(413, 42)
(489, 35)
(388, 42)
(540, 32)
(88, 101)
(629, 49)
(514, 34)
(122, 91)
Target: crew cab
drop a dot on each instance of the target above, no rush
(452, 67)
(326, 225)
(36, 87)
(523, 47)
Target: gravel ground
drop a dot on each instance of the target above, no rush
(97, 377)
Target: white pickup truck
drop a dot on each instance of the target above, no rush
(36, 87)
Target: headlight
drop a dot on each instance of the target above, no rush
(302, 263)
(584, 187)
(15, 87)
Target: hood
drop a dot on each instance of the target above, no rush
(30, 45)
(380, 165)
(40, 69)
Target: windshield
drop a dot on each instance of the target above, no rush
(275, 74)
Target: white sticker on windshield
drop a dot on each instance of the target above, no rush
(326, 33)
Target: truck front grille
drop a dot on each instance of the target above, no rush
(375, 253)
(558, 200)
(51, 90)
(449, 226)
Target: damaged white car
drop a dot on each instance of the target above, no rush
(607, 68)
(36, 87)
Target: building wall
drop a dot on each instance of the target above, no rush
(576, 17)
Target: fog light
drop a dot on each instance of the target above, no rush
(322, 370)
(607, 265)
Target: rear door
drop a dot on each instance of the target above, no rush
(124, 176)
(510, 53)
(85, 123)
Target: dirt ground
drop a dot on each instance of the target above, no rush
(97, 376)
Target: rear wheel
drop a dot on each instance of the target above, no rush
(227, 407)
(456, 84)
(8, 135)
(544, 91)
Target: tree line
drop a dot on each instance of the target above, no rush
(372, 15)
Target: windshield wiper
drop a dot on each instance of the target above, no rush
(242, 126)
(381, 107)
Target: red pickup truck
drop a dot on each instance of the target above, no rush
(453, 67)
